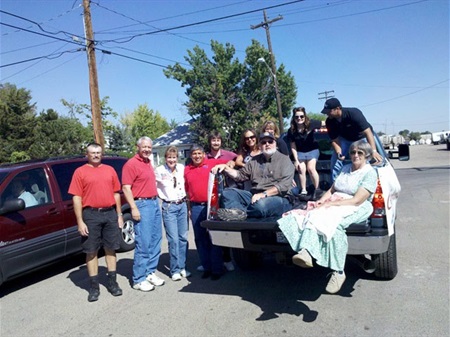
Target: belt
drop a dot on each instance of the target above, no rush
(101, 209)
(146, 198)
(193, 203)
(176, 202)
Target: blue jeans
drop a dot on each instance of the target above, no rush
(263, 208)
(336, 165)
(148, 236)
(211, 256)
(176, 225)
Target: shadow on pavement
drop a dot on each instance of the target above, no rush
(275, 288)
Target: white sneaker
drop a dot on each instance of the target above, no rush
(176, 277)
(200, 268)
(303, 259)
(229, 266)
(185, 273)
(143, 286)
(335, 283)
(155, 280)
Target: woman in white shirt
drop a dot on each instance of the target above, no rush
(170, 186)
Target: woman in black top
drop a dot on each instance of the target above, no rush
(305, 149)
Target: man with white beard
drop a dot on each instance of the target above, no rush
(270, 173)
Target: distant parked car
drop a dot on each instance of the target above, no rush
(40, 227)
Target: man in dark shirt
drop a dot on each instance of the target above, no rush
(271, 174)
(345, 126)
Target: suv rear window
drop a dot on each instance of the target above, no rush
(3, 175)
(63, 173)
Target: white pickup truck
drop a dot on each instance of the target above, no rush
(372, 241)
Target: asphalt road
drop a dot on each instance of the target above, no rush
(272, 301)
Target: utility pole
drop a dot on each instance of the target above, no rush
(93, 80)
(265, 25)
(326, 94)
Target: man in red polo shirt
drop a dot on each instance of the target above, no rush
(139, 188)
(96, 201)
(216, 152)
(196, 176)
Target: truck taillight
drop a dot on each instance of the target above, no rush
(214, 199)
(378, 202)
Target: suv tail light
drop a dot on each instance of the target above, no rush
(378, 202)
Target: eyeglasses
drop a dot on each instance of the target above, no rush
(300, 117)
(174, 182)
(359, 153)
(264, 142)
(251, 137)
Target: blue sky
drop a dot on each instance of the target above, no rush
(388, 58)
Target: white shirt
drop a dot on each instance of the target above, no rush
(170, 185)
(28, 198)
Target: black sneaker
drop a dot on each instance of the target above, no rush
(94, 293)
(113, 288)
(317, 194)
(231, 214)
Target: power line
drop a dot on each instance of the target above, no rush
(129, 57)
(37, 33)
(144, 23)
(49, 57)
(352, 14)
(178, 15)
(409, 94)
(128, 39)
(39, 25)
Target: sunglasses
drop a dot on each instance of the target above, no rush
(251, 137)
(359, 153)
(300, 117)
(264, 142)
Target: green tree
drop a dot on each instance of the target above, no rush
(404, 133)
(414, 135)
(143, 121)
(50, 141)
(17, 119)
(224, 94)
(83, 111)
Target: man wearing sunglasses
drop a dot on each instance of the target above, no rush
(345, 126)
(270, 173)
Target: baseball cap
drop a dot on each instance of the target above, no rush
(330, 104)
(266, 135)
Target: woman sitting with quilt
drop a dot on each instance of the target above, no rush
(319, 232)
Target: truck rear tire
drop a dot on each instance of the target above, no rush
(386, 263)
(247, 260)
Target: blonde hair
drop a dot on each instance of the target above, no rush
(271, 125)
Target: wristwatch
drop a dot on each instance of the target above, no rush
(265, 194)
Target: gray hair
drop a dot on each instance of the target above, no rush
(364, 146)
(196, 147)
(140, 140)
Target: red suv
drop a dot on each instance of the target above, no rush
(43, 228)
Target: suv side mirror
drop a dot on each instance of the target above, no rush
(13, 205)
(403, 152)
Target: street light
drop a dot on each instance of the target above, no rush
(277, 92)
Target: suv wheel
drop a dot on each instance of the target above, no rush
(386, 263)
(247, 260)
(127, 233)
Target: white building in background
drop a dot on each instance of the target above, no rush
(181, 137)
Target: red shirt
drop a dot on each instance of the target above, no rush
(196, 179)
(140, 175)
(95, 185)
